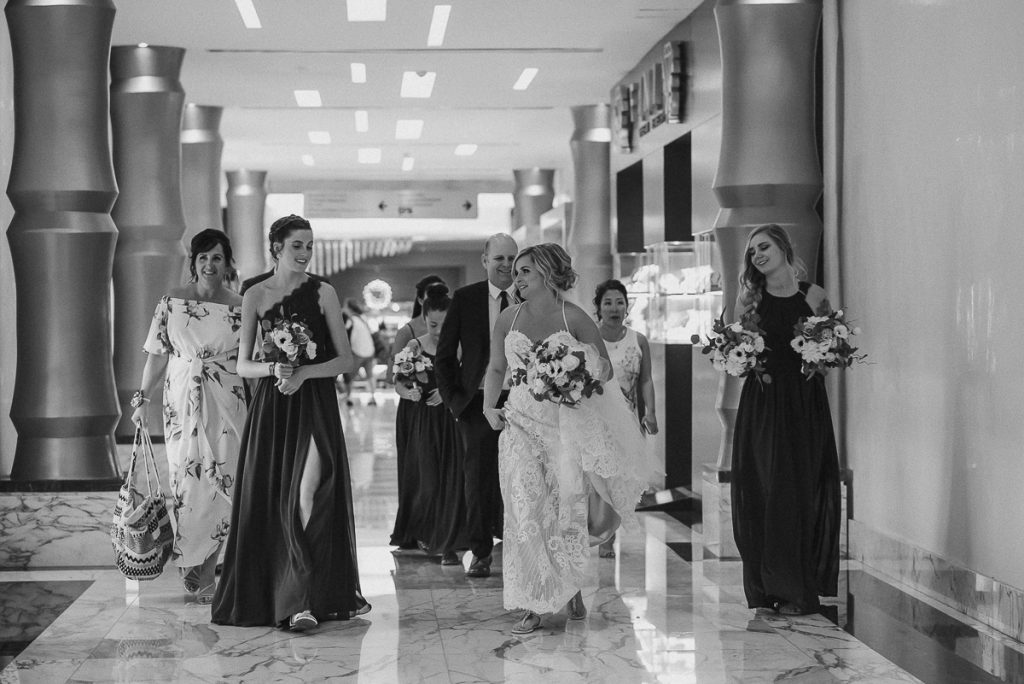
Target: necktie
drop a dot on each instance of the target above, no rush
(502, 301)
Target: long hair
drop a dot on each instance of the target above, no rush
(554, 263)
(752, 281)
(601, 290)
(282, 228)
(204, 241)
(421, 292)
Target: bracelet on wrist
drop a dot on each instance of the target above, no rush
(138, 399)
(273, 368)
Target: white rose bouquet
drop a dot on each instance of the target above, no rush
(411, 365)
(287, 341)
(823, 342)
(736, 348)
(558, 373)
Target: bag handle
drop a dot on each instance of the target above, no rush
(144, 443)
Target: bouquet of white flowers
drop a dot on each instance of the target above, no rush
(555, 371)
(823, 342)
(736, 348)
(287, 341)
(411, 366)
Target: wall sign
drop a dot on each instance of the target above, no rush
(652, 95)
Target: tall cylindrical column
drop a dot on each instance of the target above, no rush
(534, 193)
(768, 168)
(247, 197)
(201, 148)
(146, 100)
(62, 240)
(589, 237)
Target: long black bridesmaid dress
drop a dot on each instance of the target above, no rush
(785, 473)
(408, 476)
(273, 568)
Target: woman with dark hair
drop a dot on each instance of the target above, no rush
(630, 355)
(290, 558)
(438, 518)
(785, 469)
(408, 472)
(193, 349)
(552, 458)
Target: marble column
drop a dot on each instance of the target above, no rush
(768, 169)
(589, 238)
(201, 148)
(247, 197)
(62, 240)
(534, 193)
(146, 100)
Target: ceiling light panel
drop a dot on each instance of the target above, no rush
(465, 149)
(369, 155)
(408, 162)
(308, 160)
(525, 78)
(418, 83)
(362, 118)
(367, 10)
(408, 129)
(248, 12)
(308, 98)
(320, 137)
(358, 72)
(438, 25)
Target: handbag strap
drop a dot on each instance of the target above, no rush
(145, 443)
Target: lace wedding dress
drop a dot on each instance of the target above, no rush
(550, 458)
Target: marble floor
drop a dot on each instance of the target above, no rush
(659, 612)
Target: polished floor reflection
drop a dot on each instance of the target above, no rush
(658, 613)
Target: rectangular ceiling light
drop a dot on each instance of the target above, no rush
(358, 72)
(248, 12)
(418, 83)
(408, 129)
(525, 78)
(369, 155)
(320, 137)
(465, 149)
(367, 10)
(407, 163)
(308, 98)
(308, 160)
(362, 121)
(438, 25)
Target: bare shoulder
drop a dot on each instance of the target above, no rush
(574, 313)
(328, 295)
(183, 292)
(232, 298)
(818, 300)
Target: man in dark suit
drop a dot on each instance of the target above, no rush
(463, 351)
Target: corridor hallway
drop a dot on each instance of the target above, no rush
(658, 613)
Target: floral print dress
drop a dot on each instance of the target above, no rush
(204, 413)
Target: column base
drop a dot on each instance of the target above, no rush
(86, 457)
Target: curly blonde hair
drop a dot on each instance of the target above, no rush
(752, 281)
(553, 262)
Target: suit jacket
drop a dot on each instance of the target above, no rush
(467, 324)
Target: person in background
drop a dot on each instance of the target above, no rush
(630, 355)
(462, 354)
(192, 348)
(408, 471)
(363, 349)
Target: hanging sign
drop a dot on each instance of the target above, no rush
(364, 203)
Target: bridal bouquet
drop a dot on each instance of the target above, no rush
(411, 366)
(736, 348)
(823, 342)
(555, 371)
(287, 340)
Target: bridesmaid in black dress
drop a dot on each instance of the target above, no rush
(438, 520)
(291, 553)
(408, 472)
(785, 469)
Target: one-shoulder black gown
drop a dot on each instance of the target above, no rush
(273, 568)
(785, 473)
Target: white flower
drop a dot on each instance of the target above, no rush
(281, 337)
(745, 347)
(798, 344)
(736, 327)
(575, 395)
(543, 368)
(718, 362)
(841, 331)
(856, 331)
(291, 350)
(311, 350)
(538, 386)
(758, 344)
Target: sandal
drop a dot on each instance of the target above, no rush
(794, 609)
(529, 623)
(576, 609)
(190, 578)
(300, 622)
(204, 596)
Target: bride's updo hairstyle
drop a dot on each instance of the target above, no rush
(435, 298)
(752, 281)
(282, 228)
(554, 264)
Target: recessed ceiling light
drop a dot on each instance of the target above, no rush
(465, 149)
(308, 160)
(248, 12)
(408, 129)
(320, 137)
(358, 72)
(418, 83)
(143, 45)
(308, 98)
(362, 120)
(438, 25)
(367, 10)
(369, 155)
(407, 163)
(525, 78)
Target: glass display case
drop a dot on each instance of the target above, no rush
(633, 270)
(682, 290)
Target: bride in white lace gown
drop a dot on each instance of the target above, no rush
(552, 457)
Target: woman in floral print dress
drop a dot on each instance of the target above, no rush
(193, 347)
